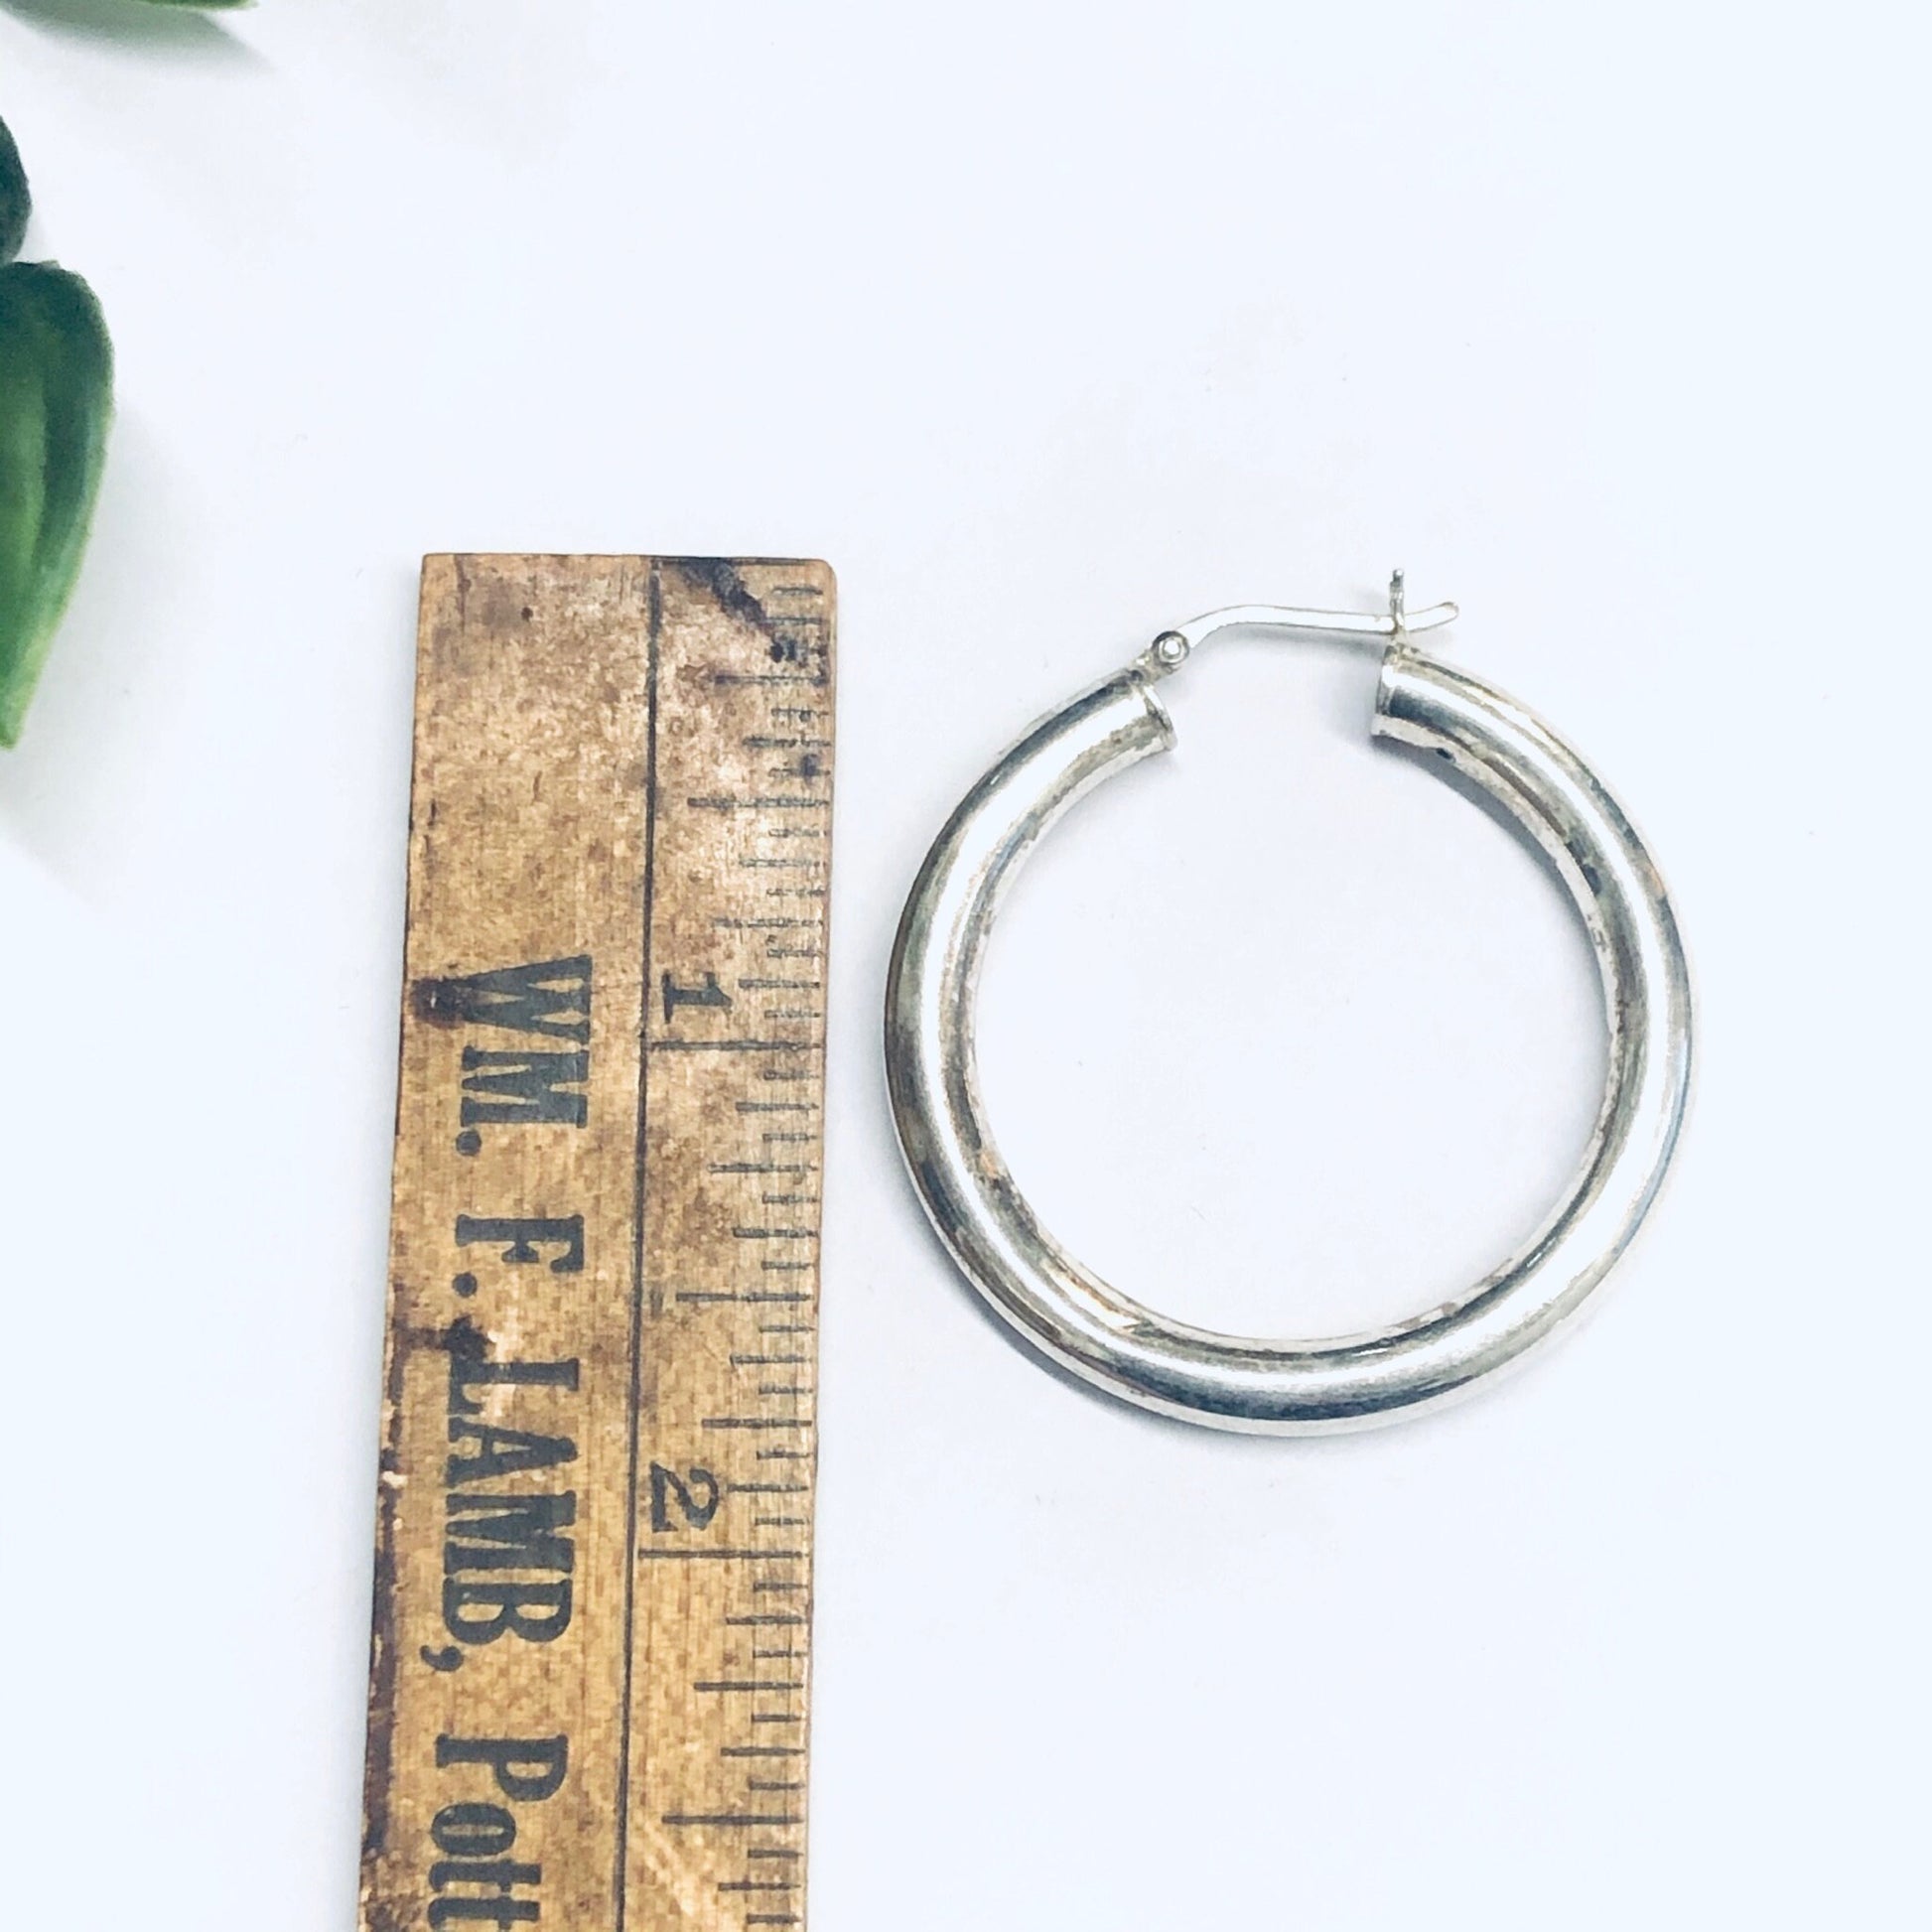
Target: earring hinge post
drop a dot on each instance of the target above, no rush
(1173, 648)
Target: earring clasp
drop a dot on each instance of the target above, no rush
(1173, 648)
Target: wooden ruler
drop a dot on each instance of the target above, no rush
(593, 1586)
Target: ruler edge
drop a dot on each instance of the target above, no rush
(385, 1655)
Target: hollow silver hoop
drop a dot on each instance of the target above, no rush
(1287, 1388)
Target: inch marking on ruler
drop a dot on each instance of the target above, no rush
(591, 1657)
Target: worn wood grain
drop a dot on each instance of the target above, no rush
(591, 1648)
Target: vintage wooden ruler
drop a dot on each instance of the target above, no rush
(593, 1589)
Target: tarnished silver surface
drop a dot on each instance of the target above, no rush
(1286, 1387)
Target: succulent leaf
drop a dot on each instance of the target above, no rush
(15, 202)
(57, 388)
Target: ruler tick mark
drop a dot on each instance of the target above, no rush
(729, 1820)
(726, 802)
(651, 1553)
(734, 1046)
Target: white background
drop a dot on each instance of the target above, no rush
(1047, 324)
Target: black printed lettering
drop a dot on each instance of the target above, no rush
(528, 1769)
(525, 1088)
(496, 1452)
(470, 1369)
(695, 1510)
(485, 1532)
(709, 994)
(552, 999)
(479, 1613)
(524, 1235)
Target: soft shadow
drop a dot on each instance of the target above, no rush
(184, 31)
(91, 748)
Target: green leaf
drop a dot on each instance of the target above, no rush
(15, 202)
(56, 396)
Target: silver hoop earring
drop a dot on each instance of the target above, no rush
(1287, 1388)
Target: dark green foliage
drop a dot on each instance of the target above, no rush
(56, 400)
(15, 202)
